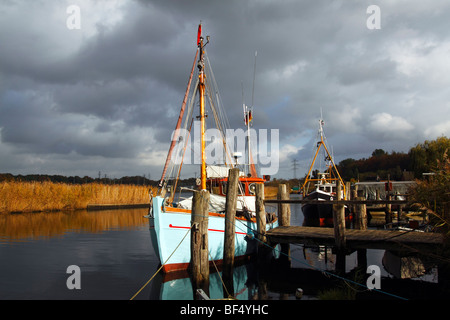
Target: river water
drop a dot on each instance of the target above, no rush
(115, 256)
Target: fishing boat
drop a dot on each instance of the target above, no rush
(324, 186)
(170, 219)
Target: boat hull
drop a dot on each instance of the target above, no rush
(320, 215)
(171, 240)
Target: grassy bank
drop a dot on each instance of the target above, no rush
(49, 196)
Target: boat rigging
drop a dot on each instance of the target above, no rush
(169, 220)
(330, 176)
(325, 186)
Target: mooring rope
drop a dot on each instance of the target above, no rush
(221, 280)
(162, 264)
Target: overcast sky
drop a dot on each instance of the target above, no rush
(106, 97)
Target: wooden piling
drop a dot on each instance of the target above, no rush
(260, 213)
(361, 224)
(360, 215)
(399, 214)
(339, 231)
(388, 210)
(339, 220)
(284, 219)
(230, 215)
(199, 240)
(284, 211)
(354, 196)
(348, 192)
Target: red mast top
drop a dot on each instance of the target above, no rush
(199, 34)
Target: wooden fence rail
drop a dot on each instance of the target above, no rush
(337, 202)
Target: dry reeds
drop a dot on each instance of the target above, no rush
(49, 196)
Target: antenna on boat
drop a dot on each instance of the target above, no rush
(321, 123)
(254, 77)
(248, 116)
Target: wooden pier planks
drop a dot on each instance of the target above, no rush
(356, 239)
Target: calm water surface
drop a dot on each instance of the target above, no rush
(112, 249)
(114, 252)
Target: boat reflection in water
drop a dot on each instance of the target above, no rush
(172, 286)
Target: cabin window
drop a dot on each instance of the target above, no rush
(252, 188)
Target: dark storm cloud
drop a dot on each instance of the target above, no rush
(113, 89)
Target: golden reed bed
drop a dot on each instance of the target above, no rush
(50, 196)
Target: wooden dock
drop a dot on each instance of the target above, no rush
(357, 239)
(336, 202)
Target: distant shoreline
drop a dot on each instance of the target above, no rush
(95, 207)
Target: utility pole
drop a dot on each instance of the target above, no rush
(294, 165)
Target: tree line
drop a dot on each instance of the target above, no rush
(134, 180)
(130, 180)
(397, 166)
(420, 159)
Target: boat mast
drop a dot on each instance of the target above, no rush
(248, 115)
(201, 89)
(307, 179)
(249, 160)
(329, 157)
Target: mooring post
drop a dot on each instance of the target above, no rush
(361, 224)
(354, 196)
(399, 214)
(348, 192)
(388, 210)
(361, 215)
(261, 221)
(339, 231)
(284, 211)
(199, 241)
(339, 219)
(284, 218)
(260, 213)
(230, 215)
